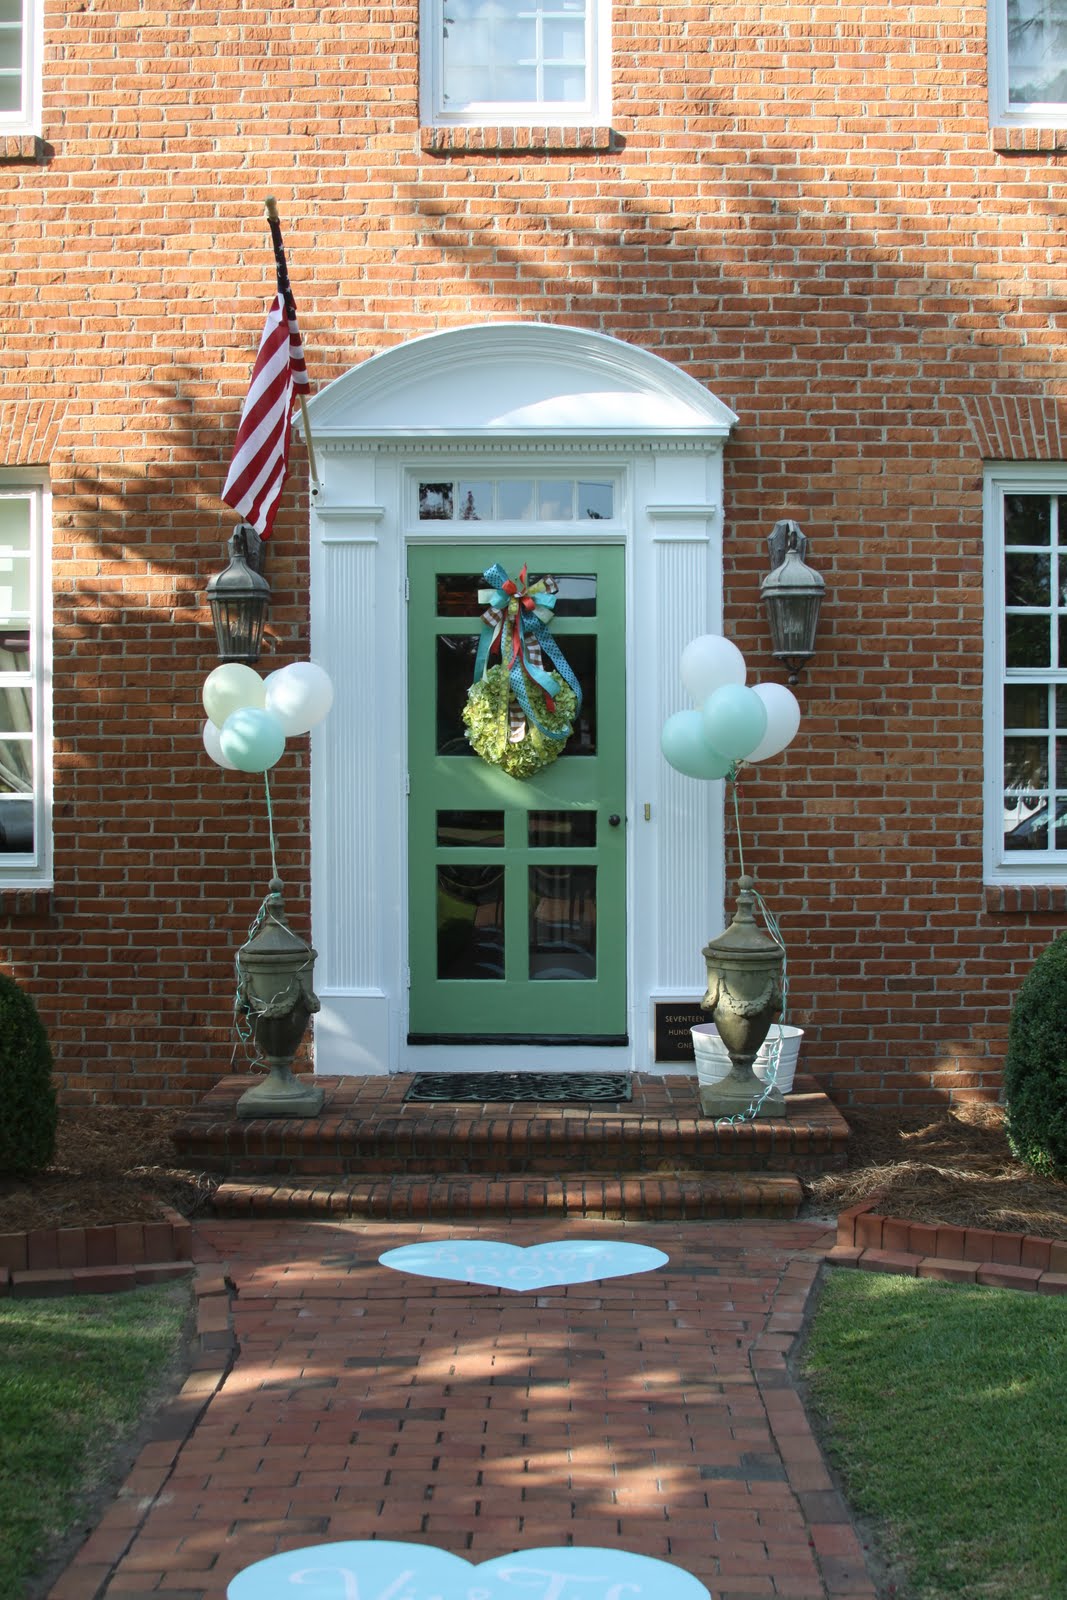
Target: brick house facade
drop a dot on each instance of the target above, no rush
(803, 208)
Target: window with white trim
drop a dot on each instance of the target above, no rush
(1026, 674)
(1028, 63)
(25, 685)
(514, 62)
(20, 57)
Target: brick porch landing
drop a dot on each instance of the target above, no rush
(370, 1154)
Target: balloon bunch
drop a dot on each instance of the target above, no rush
(250, 718)
(734, 723)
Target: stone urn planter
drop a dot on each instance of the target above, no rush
(744, 997)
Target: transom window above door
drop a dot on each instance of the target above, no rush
(516, 500)
(510, 62)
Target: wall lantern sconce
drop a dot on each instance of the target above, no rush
(793, 594)
(239, 598)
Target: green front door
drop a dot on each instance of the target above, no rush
(517, 897)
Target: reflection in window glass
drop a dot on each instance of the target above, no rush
(470, 829)
(596, 500)
(515, 500)
(1027, 519)
(474, 502)
(561, 830)
(562, 923)
(1037, 52)
(529, 54)
(556, 502)
(470, 922)
(1027, 579)
(457, 594)
(455, 672)
(1026, 705)
(1027, 641)
(576, 596)
(435, 502)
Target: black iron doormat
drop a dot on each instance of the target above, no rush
(484, 1086)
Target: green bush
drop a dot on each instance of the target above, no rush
(1035, 1071)
(27, 1094)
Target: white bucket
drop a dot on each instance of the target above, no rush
(713, 1058)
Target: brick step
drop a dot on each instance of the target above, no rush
(455, 1196)
(367, 1132)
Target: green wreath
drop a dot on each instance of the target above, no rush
(486, 715)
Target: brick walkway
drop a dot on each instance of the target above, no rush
(652, 1413)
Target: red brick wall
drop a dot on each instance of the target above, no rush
(800, 205)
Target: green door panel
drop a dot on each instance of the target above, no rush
(517, 887)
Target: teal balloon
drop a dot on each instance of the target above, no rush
(735, 720)
(685, 746)
(252, 739)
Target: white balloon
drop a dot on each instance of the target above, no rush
(709, 662)
(783, 720)
(299, 696)
(229, 688)
(214, 748)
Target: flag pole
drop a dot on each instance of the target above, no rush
(283, 284)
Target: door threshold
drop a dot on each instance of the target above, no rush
(593, 1040)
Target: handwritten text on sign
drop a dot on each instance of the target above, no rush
(376, 1569)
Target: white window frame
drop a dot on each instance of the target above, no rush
(27, 119)
(1002, 113)
(1004, 866)
(33, 870)
(594, 110)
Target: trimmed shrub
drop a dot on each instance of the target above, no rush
(1035, 1070)
(27, 1094)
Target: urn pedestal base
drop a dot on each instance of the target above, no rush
(281, 1095)
(737, 1095)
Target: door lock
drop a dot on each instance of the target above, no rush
(614, 820)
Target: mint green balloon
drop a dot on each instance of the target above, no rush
(735, 720)
(686, 748)
(252, 739)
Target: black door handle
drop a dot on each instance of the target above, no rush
(614, 820)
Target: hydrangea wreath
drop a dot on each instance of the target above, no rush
(488, 727)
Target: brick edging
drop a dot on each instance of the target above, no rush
(876, 1243)
(213, 1351)
(95, 1260)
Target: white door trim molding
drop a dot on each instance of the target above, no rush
(532, 397)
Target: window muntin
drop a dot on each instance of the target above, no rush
(20, 54)
(25, 743)
(1026, 668)
(1028, 62)
(514, 61)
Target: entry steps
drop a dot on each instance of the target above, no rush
(371, 1154)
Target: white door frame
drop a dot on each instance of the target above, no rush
(491, 401)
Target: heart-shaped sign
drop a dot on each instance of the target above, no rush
(378, 1569)
(510, 1266)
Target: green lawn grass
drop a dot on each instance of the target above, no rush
(76, 1376)
(943, 1407)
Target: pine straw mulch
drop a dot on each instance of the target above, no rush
(110, 1165)
(952, 1165)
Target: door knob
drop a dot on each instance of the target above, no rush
(614, 820)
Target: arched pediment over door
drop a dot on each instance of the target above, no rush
(506, 403)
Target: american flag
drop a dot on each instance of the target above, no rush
(260, 462)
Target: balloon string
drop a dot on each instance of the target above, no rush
(270, 827)
(752, 1111)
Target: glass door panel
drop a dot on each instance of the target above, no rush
(517, 886)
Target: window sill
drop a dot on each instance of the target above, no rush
(16, 904)
(24, 148)
(1014, 899)
(1030, 141)
(537, 137)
